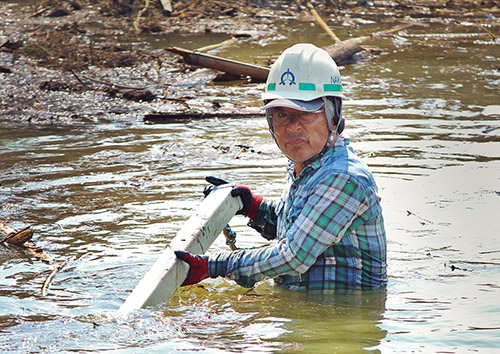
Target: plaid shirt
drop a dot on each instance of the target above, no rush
(329, 230)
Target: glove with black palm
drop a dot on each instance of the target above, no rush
(250, 201)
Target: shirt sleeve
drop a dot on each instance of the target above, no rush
(337, 205)
(266, 220)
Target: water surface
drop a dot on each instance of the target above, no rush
(424, 115)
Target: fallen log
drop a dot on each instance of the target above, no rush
(162, 118)
(349, 52)
(256, 72)
(341, 52)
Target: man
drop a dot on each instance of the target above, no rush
(328, 224)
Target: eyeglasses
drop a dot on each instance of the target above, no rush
(281, 118)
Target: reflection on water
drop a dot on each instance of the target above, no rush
(113, 195)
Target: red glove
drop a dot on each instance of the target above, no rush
(198, 267)
(250, 201)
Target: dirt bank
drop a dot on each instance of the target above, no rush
(70, 62)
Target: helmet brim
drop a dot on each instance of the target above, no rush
(299, 105)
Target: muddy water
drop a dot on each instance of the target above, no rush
(425, 115)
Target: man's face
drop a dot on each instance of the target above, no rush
(300, 141)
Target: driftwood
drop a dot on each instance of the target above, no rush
(322, 23)
(161, 118)
(13, 237)
(217, 45)
(52, 274)
(237, 68)
(349, 51)
(22, 239)
(343, 52)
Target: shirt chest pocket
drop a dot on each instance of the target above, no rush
(292, 215)
(290, 209)
(287, 214)
(293, 212)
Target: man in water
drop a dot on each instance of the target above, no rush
(328, 224)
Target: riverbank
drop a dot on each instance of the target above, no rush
(83, 61)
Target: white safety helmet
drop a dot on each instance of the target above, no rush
(305, 77)
(303, 72)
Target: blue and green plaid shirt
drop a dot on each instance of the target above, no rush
(329, 230)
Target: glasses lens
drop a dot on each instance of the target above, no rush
(281, 118)
(306, 117)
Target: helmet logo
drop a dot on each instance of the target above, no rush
(335, 79)
(287, 76)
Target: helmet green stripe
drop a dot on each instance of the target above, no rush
(307, 86)
(271, 86)
(332, 87)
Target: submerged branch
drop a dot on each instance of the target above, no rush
(52, 274)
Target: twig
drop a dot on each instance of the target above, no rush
(52, 275)
(112, 84)
(216, 45)
(492, 36)
(138, 18)
(39, 12)
(488, 252)
(323, 23)
(239, 153)
(80, 81)
(421, 218)
(385, 32)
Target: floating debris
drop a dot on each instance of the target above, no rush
(22, 239)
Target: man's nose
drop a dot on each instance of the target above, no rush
(294, 123)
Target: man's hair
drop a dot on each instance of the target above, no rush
(333, 112)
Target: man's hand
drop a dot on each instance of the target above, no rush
(198, 267)
(250, 201)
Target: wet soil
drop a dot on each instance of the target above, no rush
(71, 62)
